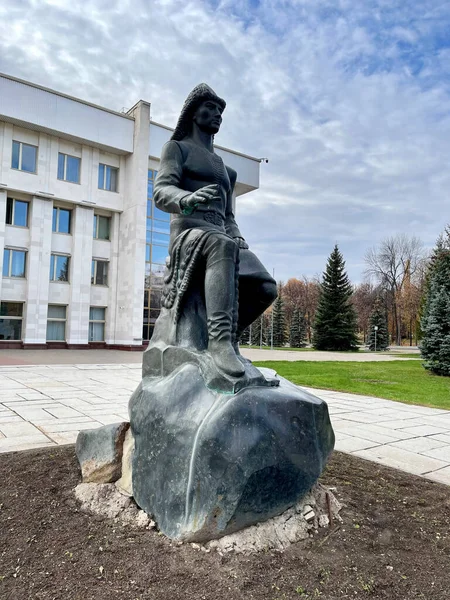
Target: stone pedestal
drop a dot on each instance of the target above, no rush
(207, 463)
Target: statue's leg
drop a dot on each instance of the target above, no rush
(255, 296)
(222, 255)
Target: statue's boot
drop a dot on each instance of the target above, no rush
(220, 298)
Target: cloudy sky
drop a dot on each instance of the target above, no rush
(349, 100)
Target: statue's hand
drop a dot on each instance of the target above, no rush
(204, 196)
(241, 243)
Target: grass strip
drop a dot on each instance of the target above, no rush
(402, 380)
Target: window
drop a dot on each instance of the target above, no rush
(16, 212)
(99, 272)
(101, 227)
(11, 320)
(56, 323)
(62, 218)
(59, 267)
(69, 168)
(24, 157)
(107, 178)
(96, 324)
(14, 263)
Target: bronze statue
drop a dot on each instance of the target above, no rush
(194, 184)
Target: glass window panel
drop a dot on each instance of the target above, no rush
(73, 169)
(147, 252)
(150, 189)
(61, 158)
(155, 298)
(157, 279)
(159, 214)
(161, 226)
(111, 179)
(146, 297)
(149, 224)
(103, 228)
(149, 210)
(9, 211)
(154, 314)
(20, 213)
(6, 257)
(146, 311)
(102, 273)
(95, 226)
(56, 312)
(15, 155)
(56, 331)
(52, 266)
(101, 177)
(148, 237)
(145, 332)
(55, 217)
(160, 238)
(96, 314)
(159, 254)
(62, 268)
(11, 309)
(150, 174)
(114, 179)
(64, 221)
(18, 263)
(96, 332)
(10, 329)
(28, 158)
(93, 271)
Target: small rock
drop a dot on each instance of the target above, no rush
(324, 521)
(99, 452)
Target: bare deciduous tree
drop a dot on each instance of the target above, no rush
(397, 259)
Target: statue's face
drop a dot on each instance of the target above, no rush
(208, 117)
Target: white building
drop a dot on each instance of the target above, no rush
(82, 246)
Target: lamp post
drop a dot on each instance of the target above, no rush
(375, 328)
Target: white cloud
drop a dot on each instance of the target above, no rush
(349, 100)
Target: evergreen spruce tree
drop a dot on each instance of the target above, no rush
(297, 333)
(335, 323)
(244, 338)
(378, 318)
(279, 322)
(256, 332)
(435, 322)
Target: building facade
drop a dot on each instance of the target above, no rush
(82, 245)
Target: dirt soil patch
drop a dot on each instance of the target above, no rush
(394, 543)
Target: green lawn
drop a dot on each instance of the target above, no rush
(406, 381)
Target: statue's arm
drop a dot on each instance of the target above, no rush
(167, 193)
(231, 226)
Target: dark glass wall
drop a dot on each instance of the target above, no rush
(157, 250)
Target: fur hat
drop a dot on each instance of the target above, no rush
(201, 93)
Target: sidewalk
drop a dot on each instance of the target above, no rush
(47, 405)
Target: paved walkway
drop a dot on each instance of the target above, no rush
(77, 357)
(47, 405)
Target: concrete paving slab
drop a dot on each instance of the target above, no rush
(402, 459)
(441, 476)
(419, 445)
(352, 444)
(442, 453)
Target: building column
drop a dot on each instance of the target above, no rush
(2, 232)
(131, 261)
(77, 325)
(38, 271)
(113, 308)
